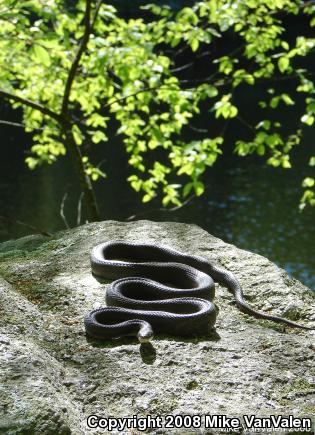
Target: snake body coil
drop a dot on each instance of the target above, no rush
(159, 289)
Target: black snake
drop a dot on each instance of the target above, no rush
(160, 289)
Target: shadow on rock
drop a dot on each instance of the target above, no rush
(148, 353)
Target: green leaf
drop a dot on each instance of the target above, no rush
(308, 182)
(283, 63)
(266, 124)
(77, 135)
(199, 188)
(187, 15)
(233, 112)
(207, 90)
(287, 99)
(274, 102)
(312, 161)
(31, 162)
(285, 45)
(187, 189)
(147, 197)
(285, 162)
(136, 185)
(99, 136)
(307, 119)
(194, 44)
(41, 54)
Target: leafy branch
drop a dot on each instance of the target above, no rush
(34, 105)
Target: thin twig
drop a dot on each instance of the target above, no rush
(25, 224)
(208, 79)
(198, 130)
(190, 64)
(177, 207)
(222, 133)
(134, 94)
(140, 91)
(136, 216)
(100, 163)
(20, 125)
(244, 122)
(97, 9)
(183, 67)
(181, 50)
(62, 210)
(79, 213)
(12, 124)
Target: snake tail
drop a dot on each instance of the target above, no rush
(227, 279)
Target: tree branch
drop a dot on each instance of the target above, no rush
(20, 125)
(77, 58)
(136, 216)
(62, 214)
(198, 130)
(79, 213)
(33, 105)
(97, 9)
(244, 122)
(89, 195)
(140, 91)
(12, 124)
(25, 224)
(190, 64)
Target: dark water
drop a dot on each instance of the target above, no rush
(246, 203)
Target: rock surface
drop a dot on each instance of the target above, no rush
(52, 377)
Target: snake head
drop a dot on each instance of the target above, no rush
(145, 333)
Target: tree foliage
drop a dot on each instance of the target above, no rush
(74, 68)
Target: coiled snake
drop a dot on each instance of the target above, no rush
(159, 289)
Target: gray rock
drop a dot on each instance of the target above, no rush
(53, 377)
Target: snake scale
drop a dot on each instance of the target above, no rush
(159, 289)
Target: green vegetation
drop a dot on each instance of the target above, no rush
(74, 66)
